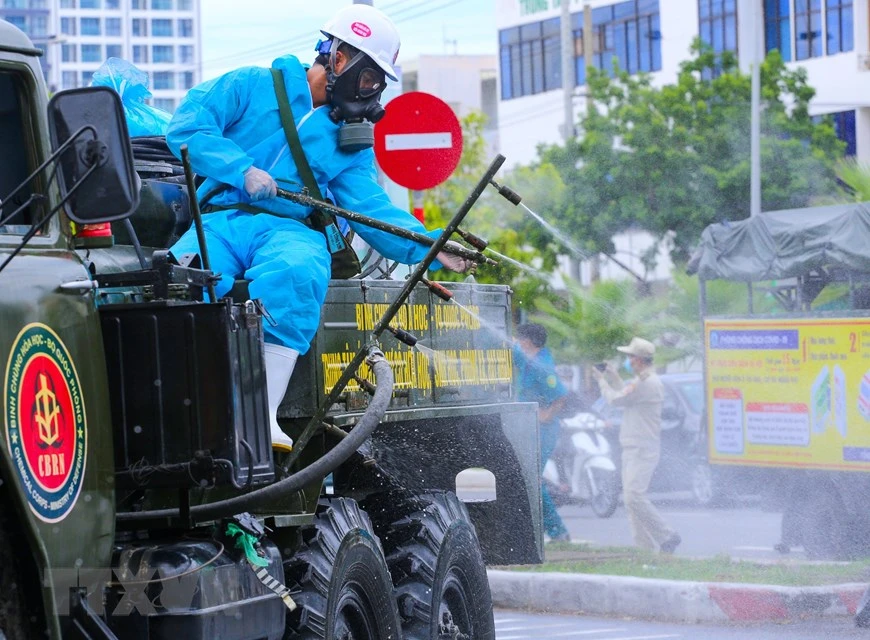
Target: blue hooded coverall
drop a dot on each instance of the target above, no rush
(230, 124)
(537, 382)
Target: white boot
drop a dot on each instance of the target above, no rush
(279, 367)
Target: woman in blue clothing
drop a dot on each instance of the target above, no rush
(538, 382)
(233, 131)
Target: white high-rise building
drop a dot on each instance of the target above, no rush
(161, 37)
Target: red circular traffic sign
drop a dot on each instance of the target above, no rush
(419, 141)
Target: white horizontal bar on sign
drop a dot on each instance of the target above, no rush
(415, 141)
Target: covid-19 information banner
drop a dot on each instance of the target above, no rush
(790, 393)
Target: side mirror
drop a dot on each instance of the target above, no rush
(96, 169)
(671, 413)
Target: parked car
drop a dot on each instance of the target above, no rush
(683, 464)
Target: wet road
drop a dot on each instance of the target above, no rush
(751, 531)
(514, 625)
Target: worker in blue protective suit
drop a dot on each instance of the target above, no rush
(537, 382)
(233, 130)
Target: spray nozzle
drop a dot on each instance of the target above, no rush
(439, 290)
(507, 193)
(403, 336)
(478, 243)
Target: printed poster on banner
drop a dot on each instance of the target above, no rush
(789, 393)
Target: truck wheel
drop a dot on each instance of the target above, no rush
(703, 484)
(339, 579)
(440, 579)
(16, 621)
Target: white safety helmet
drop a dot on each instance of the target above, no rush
(370, 31)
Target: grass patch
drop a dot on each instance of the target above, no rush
(628, 561)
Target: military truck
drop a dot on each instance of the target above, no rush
(140, 495)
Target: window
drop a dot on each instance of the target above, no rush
(112, 4)
(161, 5)
(186, 80)
(808, 29)
(15, 142)
(140, 27)
(18, 21)
(167, 104)
(628, 31)
(185, 28)
(161, 28)
(185, 5)
(777, 30)
(185, 52)
(113, 51)
(138, 4)
(530, 55)
(161, 53)
(69, 53)
(67, 4)
(531, 61)
(87, 77)
(92, 53)
(164, 80)
(69, 79)
(14, 4)
(90, 26)
(839, 23)
(718, 24)
(89, 4)
(68, 26)
(113, 26)
(844, 124)
(140, 53)
(718, 27)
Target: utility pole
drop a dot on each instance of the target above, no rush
(567, 71)
(755, 115)
(588, 55)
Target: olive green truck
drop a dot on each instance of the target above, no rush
(139, 493)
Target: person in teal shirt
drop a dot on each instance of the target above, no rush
(538, 382)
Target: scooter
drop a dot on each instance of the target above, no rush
(581, 469)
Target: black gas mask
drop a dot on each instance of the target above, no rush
(355, 95)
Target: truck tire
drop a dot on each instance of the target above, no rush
(438, 571)
(339, 579)
(17, 621)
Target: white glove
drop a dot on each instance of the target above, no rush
(453, 262)
(259, 184)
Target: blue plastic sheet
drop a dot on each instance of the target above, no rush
(131, 83)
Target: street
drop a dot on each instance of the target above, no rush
(750, 532)
(515, 625)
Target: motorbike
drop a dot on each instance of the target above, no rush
(581, 470)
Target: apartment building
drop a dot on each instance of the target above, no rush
(161, 37)
(830, 38)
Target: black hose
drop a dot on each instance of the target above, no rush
(137, 246)
(318, 470)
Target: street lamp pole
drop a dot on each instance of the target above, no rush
(755, 115)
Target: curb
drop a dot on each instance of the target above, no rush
(669, 600)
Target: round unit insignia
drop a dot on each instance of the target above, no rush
(46, 429)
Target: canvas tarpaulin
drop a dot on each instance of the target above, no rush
(784, 244)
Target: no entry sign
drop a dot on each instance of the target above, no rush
(419, 141)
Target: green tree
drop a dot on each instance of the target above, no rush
(674, 159)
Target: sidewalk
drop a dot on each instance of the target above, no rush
(668, 600)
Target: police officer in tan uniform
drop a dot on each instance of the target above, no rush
(640, 438)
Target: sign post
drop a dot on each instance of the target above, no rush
(418, 142)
